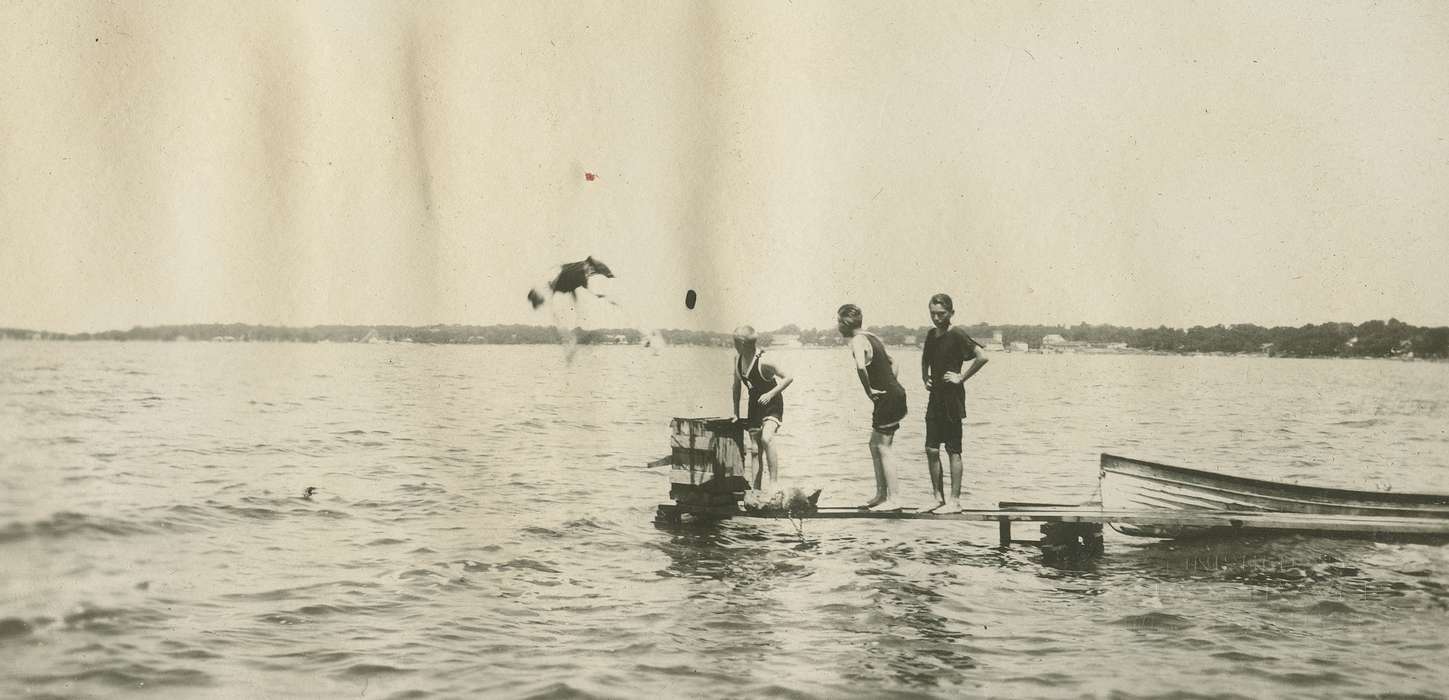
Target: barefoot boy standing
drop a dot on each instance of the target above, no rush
(764, 381)
(947, 350)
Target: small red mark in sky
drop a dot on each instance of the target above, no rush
(590, 177)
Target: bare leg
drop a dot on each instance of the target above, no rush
(767, 447)
(956, 473)
(933, 464)
(563, 320)
(882, 494)
(880, 453)
(888, 461)
(757, 469)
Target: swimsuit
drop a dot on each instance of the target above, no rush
(946, 406)
(890, 407)
(570, 277)
(755, 381)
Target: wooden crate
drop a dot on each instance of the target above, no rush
(711, 454)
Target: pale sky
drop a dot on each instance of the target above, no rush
(1135, 163)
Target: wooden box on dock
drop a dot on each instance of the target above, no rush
(710, 456)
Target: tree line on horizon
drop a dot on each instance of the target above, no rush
(1391, 338)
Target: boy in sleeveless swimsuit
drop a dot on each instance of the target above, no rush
(877, 374)
(764, 381)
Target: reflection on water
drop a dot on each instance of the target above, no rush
(483, 526)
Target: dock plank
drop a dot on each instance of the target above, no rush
(1234, 520)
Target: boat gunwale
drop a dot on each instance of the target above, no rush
(1333, 496)
(1239, 498)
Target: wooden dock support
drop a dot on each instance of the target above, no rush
(1004, 529)
(667, 514)
(1070, 543)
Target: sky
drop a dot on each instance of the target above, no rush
(1178, 163)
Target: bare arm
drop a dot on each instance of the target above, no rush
(735, 390)
(782, 380)
(860, 350)
(978, 360)
(926, 363)
(976, 365)
(599, 295)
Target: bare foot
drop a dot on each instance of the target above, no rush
(874, 502)
(935, 508)
(886, 506)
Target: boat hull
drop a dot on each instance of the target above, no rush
(1135, 485)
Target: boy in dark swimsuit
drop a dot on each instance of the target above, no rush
(877, 374)
(947, 350)
(765, 381)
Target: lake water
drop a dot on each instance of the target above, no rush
(483, 527)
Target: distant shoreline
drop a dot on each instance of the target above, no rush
(1088, 352)
(1390, 339)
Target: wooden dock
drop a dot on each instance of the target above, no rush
(712, 464)
(1208, 522)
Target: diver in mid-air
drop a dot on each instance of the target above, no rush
(571, 278)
